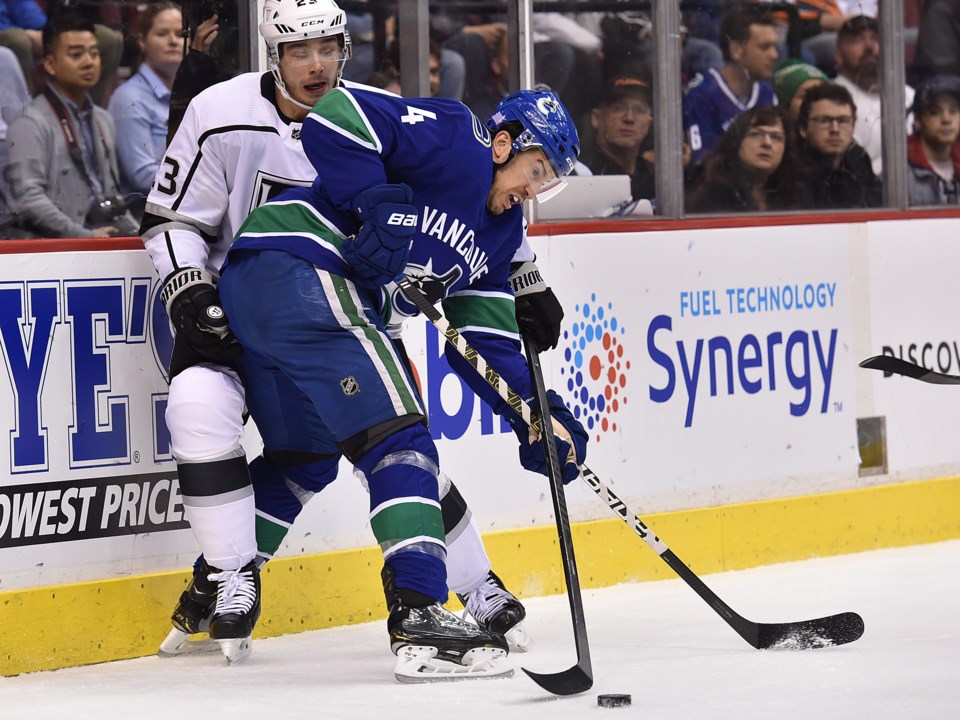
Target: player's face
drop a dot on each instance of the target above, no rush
(829, 127)
(74, 62)
(525, 176)
(162, 46)
(762, 148)
(623, 123)
(759, 57)
(309, 68)
(799, 95)
(940, 122)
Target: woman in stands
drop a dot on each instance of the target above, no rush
(753, 169)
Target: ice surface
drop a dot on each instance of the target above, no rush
(658, 642)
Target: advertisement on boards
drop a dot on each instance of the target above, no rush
(913, 316)
(705, 362)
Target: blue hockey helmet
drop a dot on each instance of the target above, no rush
(547, 125)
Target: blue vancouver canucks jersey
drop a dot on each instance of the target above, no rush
(710, 106)
(359, 138)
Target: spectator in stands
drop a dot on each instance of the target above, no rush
(386, 79)
(21, 22)
(819, 22)
(837, 170)
(434, 62)
(933, 152)
(858, 55)
(748, 41)
(791, 81)
(938, 39)
(13, 99)
(621, 124)
(753, 168)
(62, 171)
(141, 106)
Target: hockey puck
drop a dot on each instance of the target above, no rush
(614, 701)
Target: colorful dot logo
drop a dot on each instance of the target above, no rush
(595, 370)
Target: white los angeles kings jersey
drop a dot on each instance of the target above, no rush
(232, 152)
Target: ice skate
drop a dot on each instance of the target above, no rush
(494, 608)
(432, 644)
(191, 616)
(236, 611)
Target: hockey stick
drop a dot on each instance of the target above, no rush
(579, 678)
(820, 632)
(896, 366)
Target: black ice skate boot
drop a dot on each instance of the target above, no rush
(192, 614)
(237, 610)
(431, 643)
(494, 608)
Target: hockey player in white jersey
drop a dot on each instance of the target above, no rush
(237, 146)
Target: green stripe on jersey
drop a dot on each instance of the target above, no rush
(484, 311)
(270, 535)
(406, 520)
(381, 344)
(289, 219)
(337, 107)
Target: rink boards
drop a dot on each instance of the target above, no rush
(714, 366)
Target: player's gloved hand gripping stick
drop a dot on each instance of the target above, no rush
(379, 251)
(539, 313)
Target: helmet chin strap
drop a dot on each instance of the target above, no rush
(283, 87)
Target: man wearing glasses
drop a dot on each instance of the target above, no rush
(621, 124)
(839, 171)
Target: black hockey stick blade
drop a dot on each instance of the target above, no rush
(568, 682)
(809, 634)
(579, 678)
(895, 366)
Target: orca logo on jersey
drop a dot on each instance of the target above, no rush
(434, 287)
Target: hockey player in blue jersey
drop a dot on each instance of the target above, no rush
(416, 187)
(748, 40)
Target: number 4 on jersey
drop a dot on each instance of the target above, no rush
(415, 115)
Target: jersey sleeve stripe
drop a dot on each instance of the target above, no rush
(343, 115)
(203, 138)
(479, 312)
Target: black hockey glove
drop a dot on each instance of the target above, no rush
(194, 308)
(539, 313)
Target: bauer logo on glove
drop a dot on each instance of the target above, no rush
(379, 251)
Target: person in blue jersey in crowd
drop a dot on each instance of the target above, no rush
(405, 187)
(748, 40)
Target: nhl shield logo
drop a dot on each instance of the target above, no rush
(350, 386)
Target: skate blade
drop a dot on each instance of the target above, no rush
(178, 642)
(517, 638)
(236, 650)
(419, 664)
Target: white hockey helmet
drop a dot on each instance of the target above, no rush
(287, 21)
